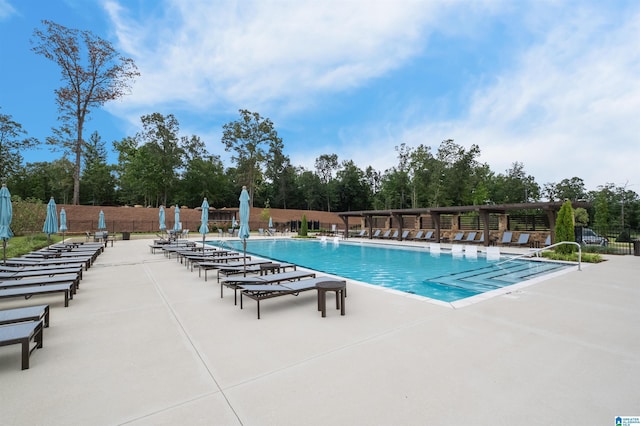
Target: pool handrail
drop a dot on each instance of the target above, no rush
(536, 252)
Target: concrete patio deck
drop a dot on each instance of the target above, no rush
(147, 342)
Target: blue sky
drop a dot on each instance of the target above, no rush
(551, 84)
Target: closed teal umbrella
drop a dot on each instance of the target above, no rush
(63, 222)
(162, 219)
(6, 215)
(204, 218)
(51, 221)
(270, 222)
(243, 232)
(101, 223)
(177, 226)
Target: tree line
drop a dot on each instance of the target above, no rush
(160, 166)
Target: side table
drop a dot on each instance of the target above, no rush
(339, 287)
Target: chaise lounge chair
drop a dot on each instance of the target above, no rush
(523, 240)
(235, 283)
(471, 236)
(260, 292)
(418, 235)
(506, 238)
(458, 237)
(22, 333)
(376, 234)
(28, 313)
(27, 292)
(429, 236)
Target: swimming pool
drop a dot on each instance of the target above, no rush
(443, 276)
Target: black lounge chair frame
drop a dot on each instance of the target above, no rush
(22, 333)
(28, 313)
(27, 292)
(260, 292)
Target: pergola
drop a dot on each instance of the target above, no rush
(551, 209)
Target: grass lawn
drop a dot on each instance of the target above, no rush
(17, 246)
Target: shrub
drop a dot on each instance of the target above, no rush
(564, 228)
(624, 237)
(304, 227)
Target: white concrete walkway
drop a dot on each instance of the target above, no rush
(146, 342)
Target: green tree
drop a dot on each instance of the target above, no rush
(582, 217)
(12, 141)
(97, 182)
(564, 230)
(42, 180)
(247, 139)
(352, 188)
(205, 177)
(515, 186)
(93, 73)
(570, 189)
(326, 164)
(311, 189)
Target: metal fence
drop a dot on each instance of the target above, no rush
(617, 239)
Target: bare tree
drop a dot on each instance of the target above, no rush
(92, 71)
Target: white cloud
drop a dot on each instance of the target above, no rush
(6, 10)
(565, 104)
(568, 106)
(257, 52)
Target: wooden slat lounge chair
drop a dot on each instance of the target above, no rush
(28, 313)
(234, 283)
(260, 292)
(27, 292)
(22, 334)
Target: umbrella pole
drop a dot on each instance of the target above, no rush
(244, 248)
(4, 250)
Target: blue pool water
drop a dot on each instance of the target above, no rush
(443, 276)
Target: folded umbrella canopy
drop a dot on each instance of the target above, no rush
(6, 215)
(63, 222)
(204, 218)
(51, 221)
(161, 219)
(243, 232)
(101, 223)
(177, 226)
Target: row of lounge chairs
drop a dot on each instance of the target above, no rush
(459, 237)
(256, 279)
(54, 269)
